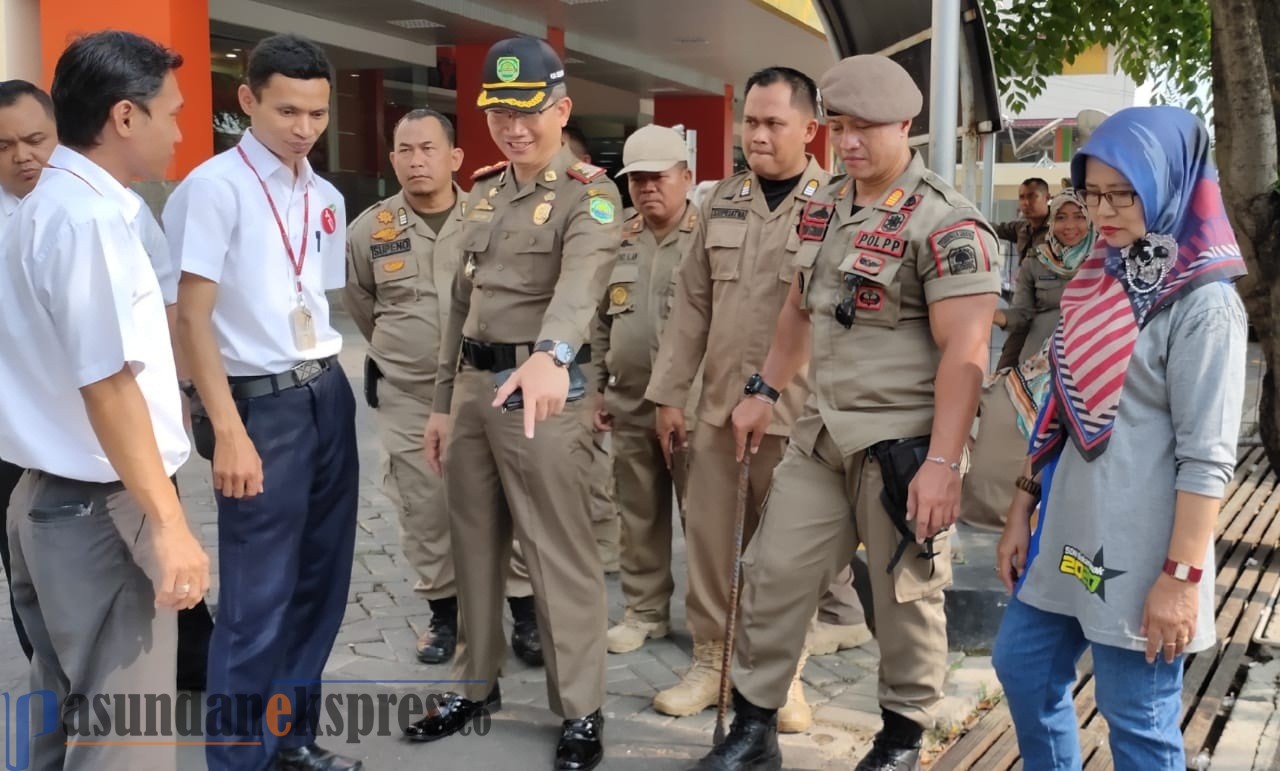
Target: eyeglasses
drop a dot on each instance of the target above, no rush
(846, 309)
(1117, 199)
(513, 116)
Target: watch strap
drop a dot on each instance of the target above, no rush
(1182, 571)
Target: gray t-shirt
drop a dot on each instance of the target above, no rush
(1103, 537)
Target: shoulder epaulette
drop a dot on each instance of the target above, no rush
(489, 171)
(634, 225)
(584, 172)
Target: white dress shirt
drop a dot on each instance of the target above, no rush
(220, 226)
(78, 301)
(157, 246)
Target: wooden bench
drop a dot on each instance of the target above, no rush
(1248, 572)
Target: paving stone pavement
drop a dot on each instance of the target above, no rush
(374, 656)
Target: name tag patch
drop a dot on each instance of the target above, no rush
(386, 250)
(880, 242)
(871, 264)
(728, 213)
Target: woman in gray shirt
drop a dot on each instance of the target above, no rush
(1130, 454)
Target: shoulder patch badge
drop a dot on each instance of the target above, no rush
(745, 190)
(912, 202)
(584, 172)
(810, 188)
(601, 210)
(957, 250)
(384, 217)
(893, 222)
(894, 197)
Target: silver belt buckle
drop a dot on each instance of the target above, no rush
(306, 371)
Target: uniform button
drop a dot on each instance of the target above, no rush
(499, 266)
(488, 293)
(532, 240)
(505, 236)
(483, 326)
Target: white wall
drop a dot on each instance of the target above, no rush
(20, 40)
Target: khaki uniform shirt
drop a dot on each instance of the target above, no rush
(923, 243)
(633, 312)
(730, 287)
(535, 258)
(399, 284)
(1026, 238)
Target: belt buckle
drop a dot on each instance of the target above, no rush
(306, 371)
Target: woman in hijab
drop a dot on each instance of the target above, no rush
(1035, 308)
(1130, 454)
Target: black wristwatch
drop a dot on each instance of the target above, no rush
(561, 352)
(756, 385)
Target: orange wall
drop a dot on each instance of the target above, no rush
(182, 25)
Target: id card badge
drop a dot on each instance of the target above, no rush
(304, 327)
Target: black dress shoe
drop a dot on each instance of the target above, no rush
(437, 644)
(525, 640)
(888, 755)
(449, 714)
(581, 744)
(752, 743)
(313, 757)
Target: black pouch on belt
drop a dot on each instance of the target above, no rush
(577, 387)
(899, 461)
(201, 429)
(371, 376)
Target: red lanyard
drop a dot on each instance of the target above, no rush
(295, 259)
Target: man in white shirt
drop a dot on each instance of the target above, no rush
(27, 136)
(101, 552)
(260, 238)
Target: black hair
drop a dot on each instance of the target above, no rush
(1037, 183)
(292, 56)
(804, 92)
(574, 134)
(99, 71)
(13, 90)
(422, 113)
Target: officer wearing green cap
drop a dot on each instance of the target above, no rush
(538, 241)
(891, 305)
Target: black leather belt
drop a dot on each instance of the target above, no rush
(253, 386)
(497, 357)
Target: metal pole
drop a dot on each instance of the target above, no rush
(969, 131)
(988, 174)
(944, 83)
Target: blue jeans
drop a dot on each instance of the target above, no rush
(1035, 658)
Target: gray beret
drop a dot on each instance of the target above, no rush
(871, 87)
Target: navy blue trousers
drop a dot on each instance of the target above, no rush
(284, 563)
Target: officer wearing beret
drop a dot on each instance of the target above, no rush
(729, 287)
(891, 306)
(538, 241)
(402, 254)
(631, 316)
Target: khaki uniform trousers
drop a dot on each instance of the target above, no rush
(805, 537)
(709, 524)
(419, 498)
(644, 487)
(500, 483)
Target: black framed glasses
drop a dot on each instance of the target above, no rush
(1117, 199)
(846, 309)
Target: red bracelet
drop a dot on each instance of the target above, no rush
(1182, 571)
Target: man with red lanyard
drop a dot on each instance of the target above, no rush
(260, 238)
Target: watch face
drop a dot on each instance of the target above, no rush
(563, 353)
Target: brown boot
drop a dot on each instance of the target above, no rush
(700, 686)
(795, 716)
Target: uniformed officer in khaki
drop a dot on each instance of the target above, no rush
(402, 254)
(538, 241)
(891, 306)
(729, 287)
(632, 312)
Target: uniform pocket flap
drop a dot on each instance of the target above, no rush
(726, 234)
(535, 241)
(624, 273)
(476, 239)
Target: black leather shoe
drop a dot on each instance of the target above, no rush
(313, 757)
(524, 636)
(888, 755)
(437, 644)
(581, 744)
(752, 743)
(448, 714)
